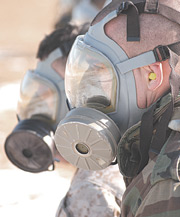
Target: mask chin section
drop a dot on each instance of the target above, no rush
(30, 146)
(87, 138)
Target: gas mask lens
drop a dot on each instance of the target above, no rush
(37, 96)
(90, 78)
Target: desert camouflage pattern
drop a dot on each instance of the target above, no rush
(155, 192)
(93, 194)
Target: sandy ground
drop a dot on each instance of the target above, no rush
(22, 25)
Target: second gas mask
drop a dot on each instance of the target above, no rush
(41, 105)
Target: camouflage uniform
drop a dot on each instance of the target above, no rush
(93, 194)
(155, 191)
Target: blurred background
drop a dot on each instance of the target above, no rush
(23, 24)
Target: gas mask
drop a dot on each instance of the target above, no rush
(101, 92)
(41, 105)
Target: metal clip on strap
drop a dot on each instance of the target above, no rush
(161, 53)
(151, 6)
(123, 6)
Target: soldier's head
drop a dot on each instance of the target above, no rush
(155, 30)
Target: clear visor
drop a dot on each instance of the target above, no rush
(38, 96)
(90, 78)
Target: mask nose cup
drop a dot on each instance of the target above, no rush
(87, 138)
(30, 146)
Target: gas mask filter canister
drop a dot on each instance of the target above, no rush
(87, 138)
(30, 146)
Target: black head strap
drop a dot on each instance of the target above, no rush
(132, 10)
(133, 29)
(146, 132)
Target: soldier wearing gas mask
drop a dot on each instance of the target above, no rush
(122, 83)
(41, 106)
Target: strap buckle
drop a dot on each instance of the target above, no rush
(161, 53)
(123, 6)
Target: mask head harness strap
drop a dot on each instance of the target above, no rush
(133, 30)
(132, 10)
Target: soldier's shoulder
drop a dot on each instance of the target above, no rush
(167, 164)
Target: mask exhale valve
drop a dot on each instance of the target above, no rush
(87, 138)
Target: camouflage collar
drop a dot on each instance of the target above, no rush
(128, 156)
